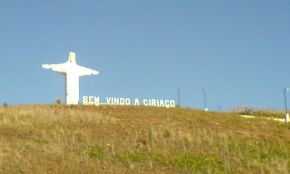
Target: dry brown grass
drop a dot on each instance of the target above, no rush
(115, 139)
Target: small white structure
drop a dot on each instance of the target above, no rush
(72, 72)
(287, 118)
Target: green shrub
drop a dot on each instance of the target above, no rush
(166, 134)
(96, 152)
(198, 163)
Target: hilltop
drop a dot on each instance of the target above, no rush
(126, 139)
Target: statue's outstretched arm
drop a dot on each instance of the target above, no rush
(83, 71)
(61, 68)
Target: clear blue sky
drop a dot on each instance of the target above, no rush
(238, 50)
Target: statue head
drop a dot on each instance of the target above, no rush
(72, 57)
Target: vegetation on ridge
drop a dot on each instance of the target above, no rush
(122, 139)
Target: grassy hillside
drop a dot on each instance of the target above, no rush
(114, 139)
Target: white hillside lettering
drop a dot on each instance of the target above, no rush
(96, 100)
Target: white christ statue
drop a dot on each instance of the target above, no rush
(72, 72)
